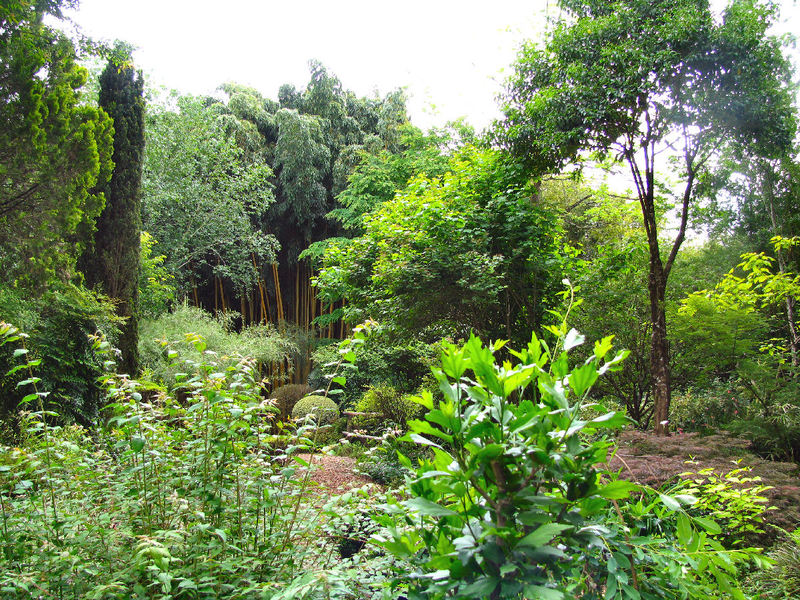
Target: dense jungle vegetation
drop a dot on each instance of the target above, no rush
(204, 299)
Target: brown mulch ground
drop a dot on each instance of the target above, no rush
(336, 474)
(652, 460)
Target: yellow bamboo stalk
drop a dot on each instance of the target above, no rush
(297, 294)
(278, 295)
(222, 296)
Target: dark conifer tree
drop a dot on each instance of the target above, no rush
(113, 262)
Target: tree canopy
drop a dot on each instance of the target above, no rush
(55, 148)
(466, 251)
(636, 79)
(112, 260)
(203, 196)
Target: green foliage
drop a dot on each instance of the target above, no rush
(171, 500)
(312, 139)
(776, 436)
(56, 148)
(734, 500)
(379, 176)
(762, 285)
(402, 365)
(303, 162)
(711, 340)
(156, 284)
(286, 396)
(387, 462)
(747, 303)
(513, 505)
(781, 579)
(464, 252)
(712, 406)
(58, 324)
(612, 64)
(638, 80)
(394, 408)
(323, 409)
(111, 261)
(203, 197)
(611, 281)
(157, 336)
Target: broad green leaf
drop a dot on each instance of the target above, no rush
(610, 420)
(601, 347)
(414, 437)
(556, 393)
(611, 587)
(487, 453)
(687, 499)
(542, 593)
(424, 427)
(28, 398)
(426, 507)
(481, 588)
(425, 399)
(543, 534)
(617, 490)
(670, 502)
(582, 378)
(137, 443)
(709, 525)
(684, 529)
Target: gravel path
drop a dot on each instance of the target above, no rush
(335, 473)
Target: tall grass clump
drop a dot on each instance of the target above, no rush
(262, 343)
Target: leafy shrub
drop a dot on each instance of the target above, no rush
(512, 504)
(394, 408)
(379, 362)
(279, 442)
(286, 396)
(260, 342)
(156, 283)
(709, 408)
(324, 409)
(58, 323)
(734, 500)
(382, 463)
(759, 405)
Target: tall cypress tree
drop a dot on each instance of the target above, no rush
(113, 263)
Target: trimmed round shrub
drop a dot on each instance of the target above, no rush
(287, 396)
(324, 409)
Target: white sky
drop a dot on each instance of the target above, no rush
(448, 54)
(452, 56)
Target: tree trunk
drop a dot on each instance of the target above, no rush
(659, 347)
(658, 275)
(769, 193)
